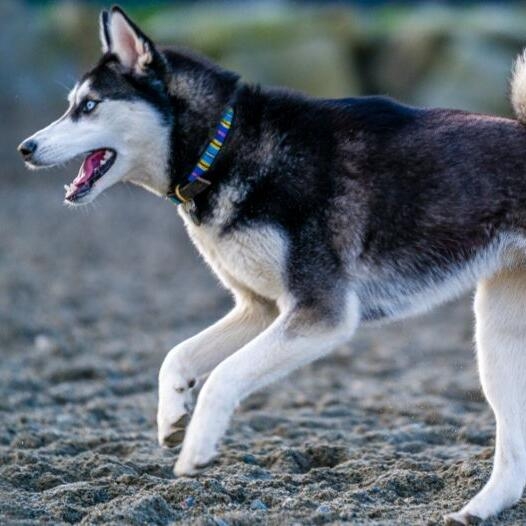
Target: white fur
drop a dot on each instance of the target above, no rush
(288, 343)
(252, 260)
(518, 87)
(198, 355)
(247, 263)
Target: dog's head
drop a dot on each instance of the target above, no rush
(118, 118)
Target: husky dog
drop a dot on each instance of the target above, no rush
(318, 216)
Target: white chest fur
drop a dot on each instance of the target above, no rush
(252, 258)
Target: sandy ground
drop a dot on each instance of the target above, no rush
(390, 430)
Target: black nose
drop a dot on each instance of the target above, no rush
(27, 149)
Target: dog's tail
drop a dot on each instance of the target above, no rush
(518, 88)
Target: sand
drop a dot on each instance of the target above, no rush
(391, 429)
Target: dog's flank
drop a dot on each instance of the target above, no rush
(320, 215)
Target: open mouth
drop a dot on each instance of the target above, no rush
(94, 166)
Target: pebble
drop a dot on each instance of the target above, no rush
(323, 508)
(250, 459)
(257, 504)
(189, 502)
(288, 503)
(44, 343)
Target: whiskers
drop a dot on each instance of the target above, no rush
(62, 85)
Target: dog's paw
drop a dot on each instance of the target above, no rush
(461, 519)
(190, 464)
(176, 401)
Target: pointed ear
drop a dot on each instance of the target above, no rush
(120, 36)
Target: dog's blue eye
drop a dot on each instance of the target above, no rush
(89, 106)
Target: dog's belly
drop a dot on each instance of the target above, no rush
(252, 259)
(387, 302)
(388, 295)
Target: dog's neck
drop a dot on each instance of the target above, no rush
(198, 180)
(200, 93)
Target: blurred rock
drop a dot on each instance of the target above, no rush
(318, 66)
(471, 73)
(257, 504)
(432, 54)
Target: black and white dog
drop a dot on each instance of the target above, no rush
(318, 215)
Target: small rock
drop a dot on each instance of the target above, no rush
(288, 503)
(250, 459)
(323, 508)
(44, 343)
(189, 502)
(257, 504)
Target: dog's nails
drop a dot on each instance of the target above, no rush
(459, 519)
(177, 432)
(182, 422)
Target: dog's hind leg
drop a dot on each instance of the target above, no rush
(298, 336)
(198, 355)
(500, 308)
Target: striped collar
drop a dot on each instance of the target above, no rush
(196, 183)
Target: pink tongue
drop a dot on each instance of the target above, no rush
(90, 164)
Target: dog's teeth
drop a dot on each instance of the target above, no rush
(66, 187)
(107, 155)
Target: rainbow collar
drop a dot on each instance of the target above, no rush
(184, 194)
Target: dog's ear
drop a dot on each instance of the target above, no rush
(120, 36)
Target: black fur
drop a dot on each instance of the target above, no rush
(104, 24)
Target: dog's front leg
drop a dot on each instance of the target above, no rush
(297, 337)
(198, 355)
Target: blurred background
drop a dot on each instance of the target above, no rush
(454, 54)
(92, 299)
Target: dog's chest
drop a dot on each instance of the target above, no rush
(250, 258)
